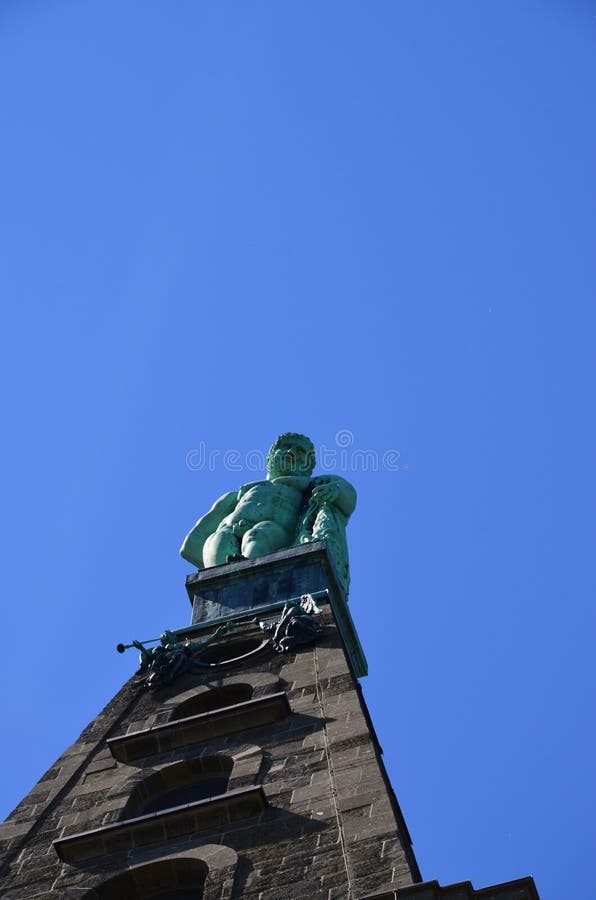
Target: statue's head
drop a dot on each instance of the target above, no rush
(291, 454)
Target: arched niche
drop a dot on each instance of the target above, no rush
(187, 781)
(201, 873)
(181, 878)
(214, 698)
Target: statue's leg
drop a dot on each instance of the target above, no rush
(219, 546)
(265, 537)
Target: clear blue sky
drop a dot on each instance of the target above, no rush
(223, 220)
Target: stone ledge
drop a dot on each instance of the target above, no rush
(520, 889)
(163, 825)
(202, 727)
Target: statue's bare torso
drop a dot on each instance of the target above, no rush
(264, 519)
(276, 501)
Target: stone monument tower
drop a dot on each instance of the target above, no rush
(240, 761)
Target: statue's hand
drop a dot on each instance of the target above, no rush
(326, 493)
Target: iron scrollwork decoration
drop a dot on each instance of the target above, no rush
(160, 665)
(296, 625)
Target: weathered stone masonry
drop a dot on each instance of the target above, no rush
(308, 811)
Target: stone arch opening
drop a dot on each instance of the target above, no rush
(178, 784)
(170, 879)
(215, 698)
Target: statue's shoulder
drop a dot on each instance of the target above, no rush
(344, 494)
(246, 487)
(225, 500)
(329, 479)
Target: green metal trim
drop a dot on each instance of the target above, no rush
(247, 614)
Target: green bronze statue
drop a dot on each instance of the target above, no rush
(287, 509)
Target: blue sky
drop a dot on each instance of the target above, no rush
(221, 221)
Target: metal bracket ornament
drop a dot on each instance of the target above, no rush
(160, 665)
(296, 625)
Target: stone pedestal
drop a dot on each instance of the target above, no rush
(255, 586)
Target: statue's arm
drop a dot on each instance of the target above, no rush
(336, 490)
(192, 546)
